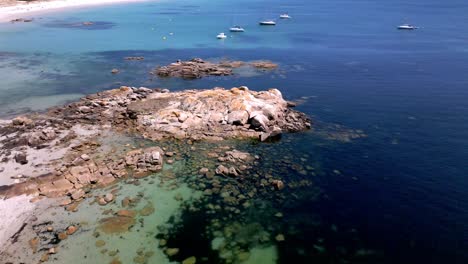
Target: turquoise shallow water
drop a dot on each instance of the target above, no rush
(403, 188)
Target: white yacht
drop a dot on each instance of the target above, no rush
(221, 36)
(267, 23)
(285, 16)
(407, 27)
(236, 29)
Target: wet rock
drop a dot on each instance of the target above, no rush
(109, 197)
(147, 210)
(162, 242)
(126, 213)
(236, 156)
(62, 235)
(116, 224)
(33, 243)
(190, 260)
(203, 171)
(100, 243)
(172, 251)
(145, 160)
(102, 201)
(115, 261)
(21, 158)
(222, 170)
(280, 238)
(115, 71)
(71, 230)
(279, 185)
(193, 69)
(44, 257)
(279, 214)
(266, 65)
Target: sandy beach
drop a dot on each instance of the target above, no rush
(21, 9)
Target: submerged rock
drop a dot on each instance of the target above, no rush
(116, 224)
(172, 251)
(190, 260)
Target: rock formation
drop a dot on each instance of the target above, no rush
(71, 163)
(198, 68)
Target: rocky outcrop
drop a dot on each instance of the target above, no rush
(198, 68)
(193, 69)
(16, 20)
(154, 114)
(216, 114)
(134, 58)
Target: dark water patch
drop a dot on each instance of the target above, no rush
(91, 25)
(263, 217)
(191, 230)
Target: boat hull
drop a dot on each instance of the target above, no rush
(267, 24)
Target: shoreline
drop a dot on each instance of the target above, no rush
(80, 153)
(7, 13)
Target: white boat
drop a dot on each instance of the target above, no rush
(236, 29)
(407, 27)
(221, 36)
(285, 16)
(267, 23)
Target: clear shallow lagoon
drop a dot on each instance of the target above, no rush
(402, 189)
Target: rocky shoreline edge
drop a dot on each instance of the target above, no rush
(57, 154)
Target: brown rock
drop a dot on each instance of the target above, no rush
(62, 235)
(33, 243)
(100, 243)
(279, 185)
(71, 230)
(116, 224)
(147, 210)
(22, 121)
(115, 261)
(102, 201)
(126, 213)
(44, 257)
(77, 194)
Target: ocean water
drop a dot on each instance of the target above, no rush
(398, 195)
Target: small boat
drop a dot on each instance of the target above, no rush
(285, 16)
(221, 36)
(267, 23)
(236, 29)
(407, 27)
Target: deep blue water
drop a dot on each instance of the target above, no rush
(403, 187)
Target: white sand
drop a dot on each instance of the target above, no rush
(14, 212)
(26, 10)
